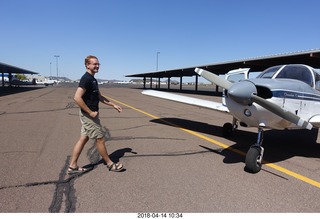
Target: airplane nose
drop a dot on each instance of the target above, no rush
(241, 92)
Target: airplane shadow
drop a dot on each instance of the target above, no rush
(279, 144)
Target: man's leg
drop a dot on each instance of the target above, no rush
(100, 142)
(77, 150)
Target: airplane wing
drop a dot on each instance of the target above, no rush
(187, 100)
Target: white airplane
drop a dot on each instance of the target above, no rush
(46, 82)
(16, 82)
(281, 97)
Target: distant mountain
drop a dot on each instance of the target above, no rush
(60, 78)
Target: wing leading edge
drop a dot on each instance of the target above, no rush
(187, 100)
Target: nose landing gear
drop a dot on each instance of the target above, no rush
(255, 154)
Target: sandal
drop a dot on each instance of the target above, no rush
(116, 167)
(75, 170)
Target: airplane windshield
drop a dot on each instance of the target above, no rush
(293, 71)
(268, 73)
(297, 72)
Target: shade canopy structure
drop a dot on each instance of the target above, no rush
(6, 68)
(310, 57)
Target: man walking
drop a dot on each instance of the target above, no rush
(87, 97)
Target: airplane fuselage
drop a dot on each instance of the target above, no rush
(292, 95)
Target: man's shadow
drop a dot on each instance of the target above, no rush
(114, 156)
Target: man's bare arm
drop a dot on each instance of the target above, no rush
(104, 100)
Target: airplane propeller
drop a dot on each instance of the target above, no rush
(282, 112)
(245, 93)
(214, 78)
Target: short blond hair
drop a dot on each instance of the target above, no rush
(87, 59)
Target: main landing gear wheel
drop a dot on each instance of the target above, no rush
(253, 159)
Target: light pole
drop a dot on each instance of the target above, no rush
(50, 70)
(157, 60)
(57, 56)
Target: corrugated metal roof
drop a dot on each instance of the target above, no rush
(5, 68)
(309, 57)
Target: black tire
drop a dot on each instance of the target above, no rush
(227, 130)
(252, 164)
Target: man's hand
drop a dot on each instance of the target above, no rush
(118, 108)
(93, 114)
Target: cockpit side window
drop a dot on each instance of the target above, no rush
(300, 73)
(317, 79)
(236, 77)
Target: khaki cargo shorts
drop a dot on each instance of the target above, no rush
(91, 127)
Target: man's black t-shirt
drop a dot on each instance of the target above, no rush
(91, 96)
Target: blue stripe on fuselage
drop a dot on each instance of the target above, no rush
(295, 95)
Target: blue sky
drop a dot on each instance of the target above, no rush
(127, 34)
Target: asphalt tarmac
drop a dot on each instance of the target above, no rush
(175, 158)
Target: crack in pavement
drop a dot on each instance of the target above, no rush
(64, 187)
(69, 105)
(64, 196)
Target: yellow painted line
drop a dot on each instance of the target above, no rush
(295, 175)
(276, 167)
